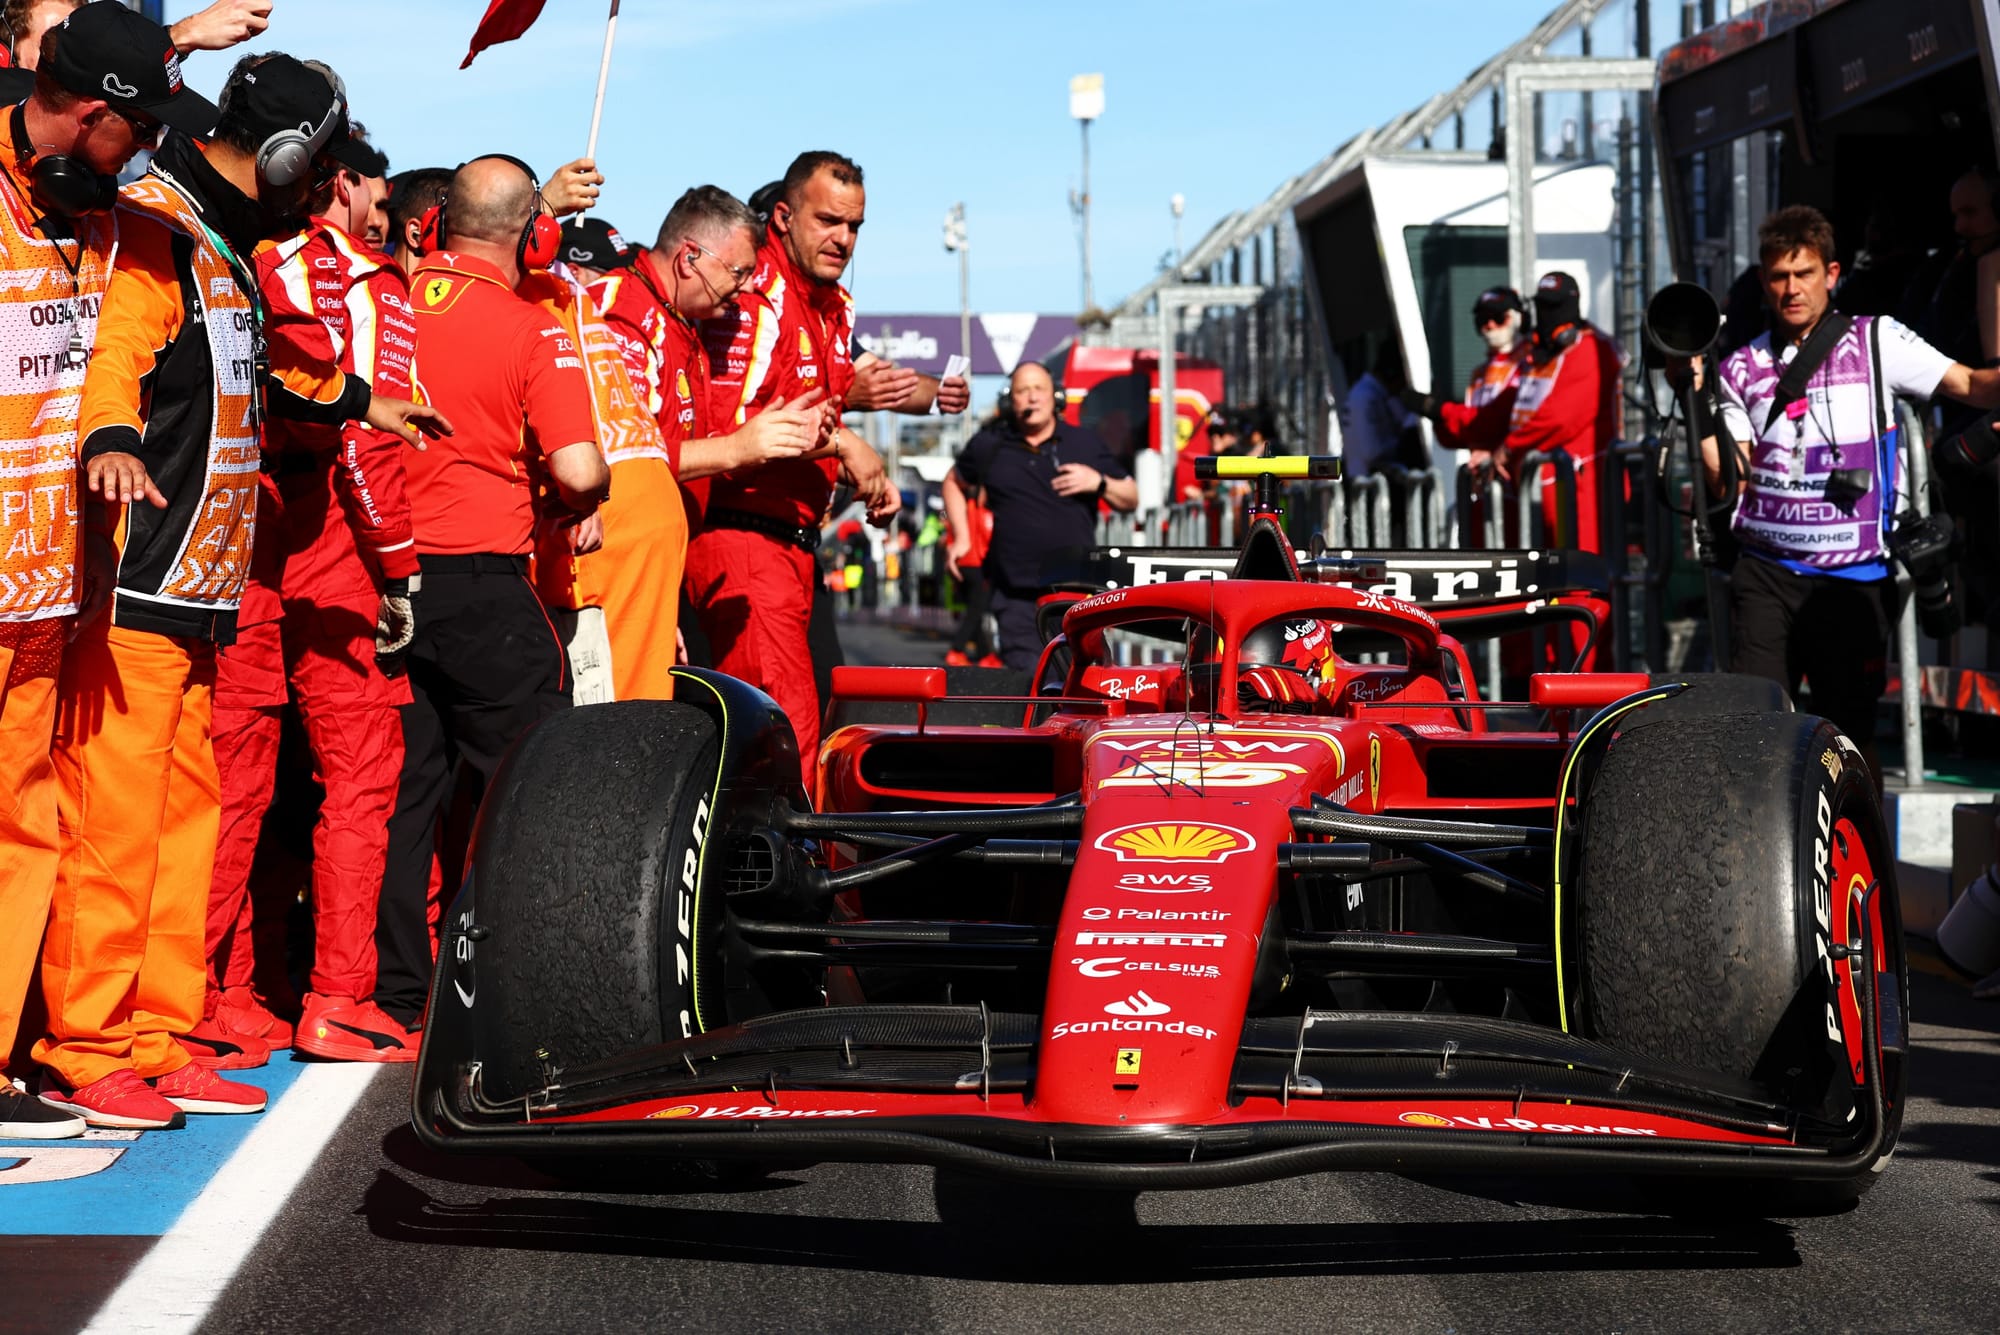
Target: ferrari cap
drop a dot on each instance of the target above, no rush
(109, 51)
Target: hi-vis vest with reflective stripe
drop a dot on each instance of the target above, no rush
(625, 426)
(213, 557)
(48, 326)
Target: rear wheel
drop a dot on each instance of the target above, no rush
(587, 867)
(1720, 860)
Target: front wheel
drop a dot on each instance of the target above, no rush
(1722, 860)
(597, 939)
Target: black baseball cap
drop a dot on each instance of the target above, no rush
(361, 157)
(1496, 301)
(284, 93)
(106, 50)
(596, 243)
(1557, 302)
(1557, 289)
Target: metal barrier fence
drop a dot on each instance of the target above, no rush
(1638, 533)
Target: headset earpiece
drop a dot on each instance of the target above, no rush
(287, 156)
(430, 229)
(62, 186)
(541, 240)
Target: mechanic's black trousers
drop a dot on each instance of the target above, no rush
(485, 665)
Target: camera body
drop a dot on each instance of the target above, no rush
(1927, 546)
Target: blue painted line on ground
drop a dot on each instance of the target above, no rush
(151, 1183)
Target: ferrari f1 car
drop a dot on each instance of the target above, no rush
(1256, 885)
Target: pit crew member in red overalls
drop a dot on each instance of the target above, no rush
(333, 572)
(750, 571)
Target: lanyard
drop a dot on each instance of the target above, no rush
(260, 357)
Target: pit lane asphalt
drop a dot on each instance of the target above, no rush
(383, 1235)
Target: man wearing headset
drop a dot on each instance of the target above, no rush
(485, 664)
(169, 429)
(329, 601)
(58, 152)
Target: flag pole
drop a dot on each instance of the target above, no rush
(603, 74)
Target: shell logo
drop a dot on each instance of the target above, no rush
(681, 385)
(1424, 1119)
(805, 344)
(678, 1110)
(1175, 843)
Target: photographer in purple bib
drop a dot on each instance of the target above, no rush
(1823, 507)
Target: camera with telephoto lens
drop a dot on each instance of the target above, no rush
(1927, 545)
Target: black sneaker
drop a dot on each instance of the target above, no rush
(25, 1117)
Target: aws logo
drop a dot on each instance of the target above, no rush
(1175, 842)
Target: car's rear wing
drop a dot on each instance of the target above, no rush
(1431, 579)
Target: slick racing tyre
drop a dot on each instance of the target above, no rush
(1721, 858)
(1712, 693)
(585, 870)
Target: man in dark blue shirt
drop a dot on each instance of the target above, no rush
(1043, 480)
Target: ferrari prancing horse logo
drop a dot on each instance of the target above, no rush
(1375, 772)
(436, 291)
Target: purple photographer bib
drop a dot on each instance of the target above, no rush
(1822, 473)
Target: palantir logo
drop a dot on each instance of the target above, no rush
(1138, 1004)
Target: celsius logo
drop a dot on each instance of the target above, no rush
(1175, 843)
(1138, 1004)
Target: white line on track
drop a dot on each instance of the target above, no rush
(178, 1281)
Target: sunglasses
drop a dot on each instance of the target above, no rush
(146, 132)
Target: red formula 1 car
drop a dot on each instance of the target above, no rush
(1265, 890)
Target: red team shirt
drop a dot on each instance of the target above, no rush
(786, 335)
(512, 381)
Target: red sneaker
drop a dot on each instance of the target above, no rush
(120, 1100)
(213, 1046)
(197, 1089)
(239, 1011)
(956, 658)
(991, 661)
(342, 1029)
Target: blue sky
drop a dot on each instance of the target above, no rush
(938, 102)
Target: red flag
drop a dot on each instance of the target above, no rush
(505, 20)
